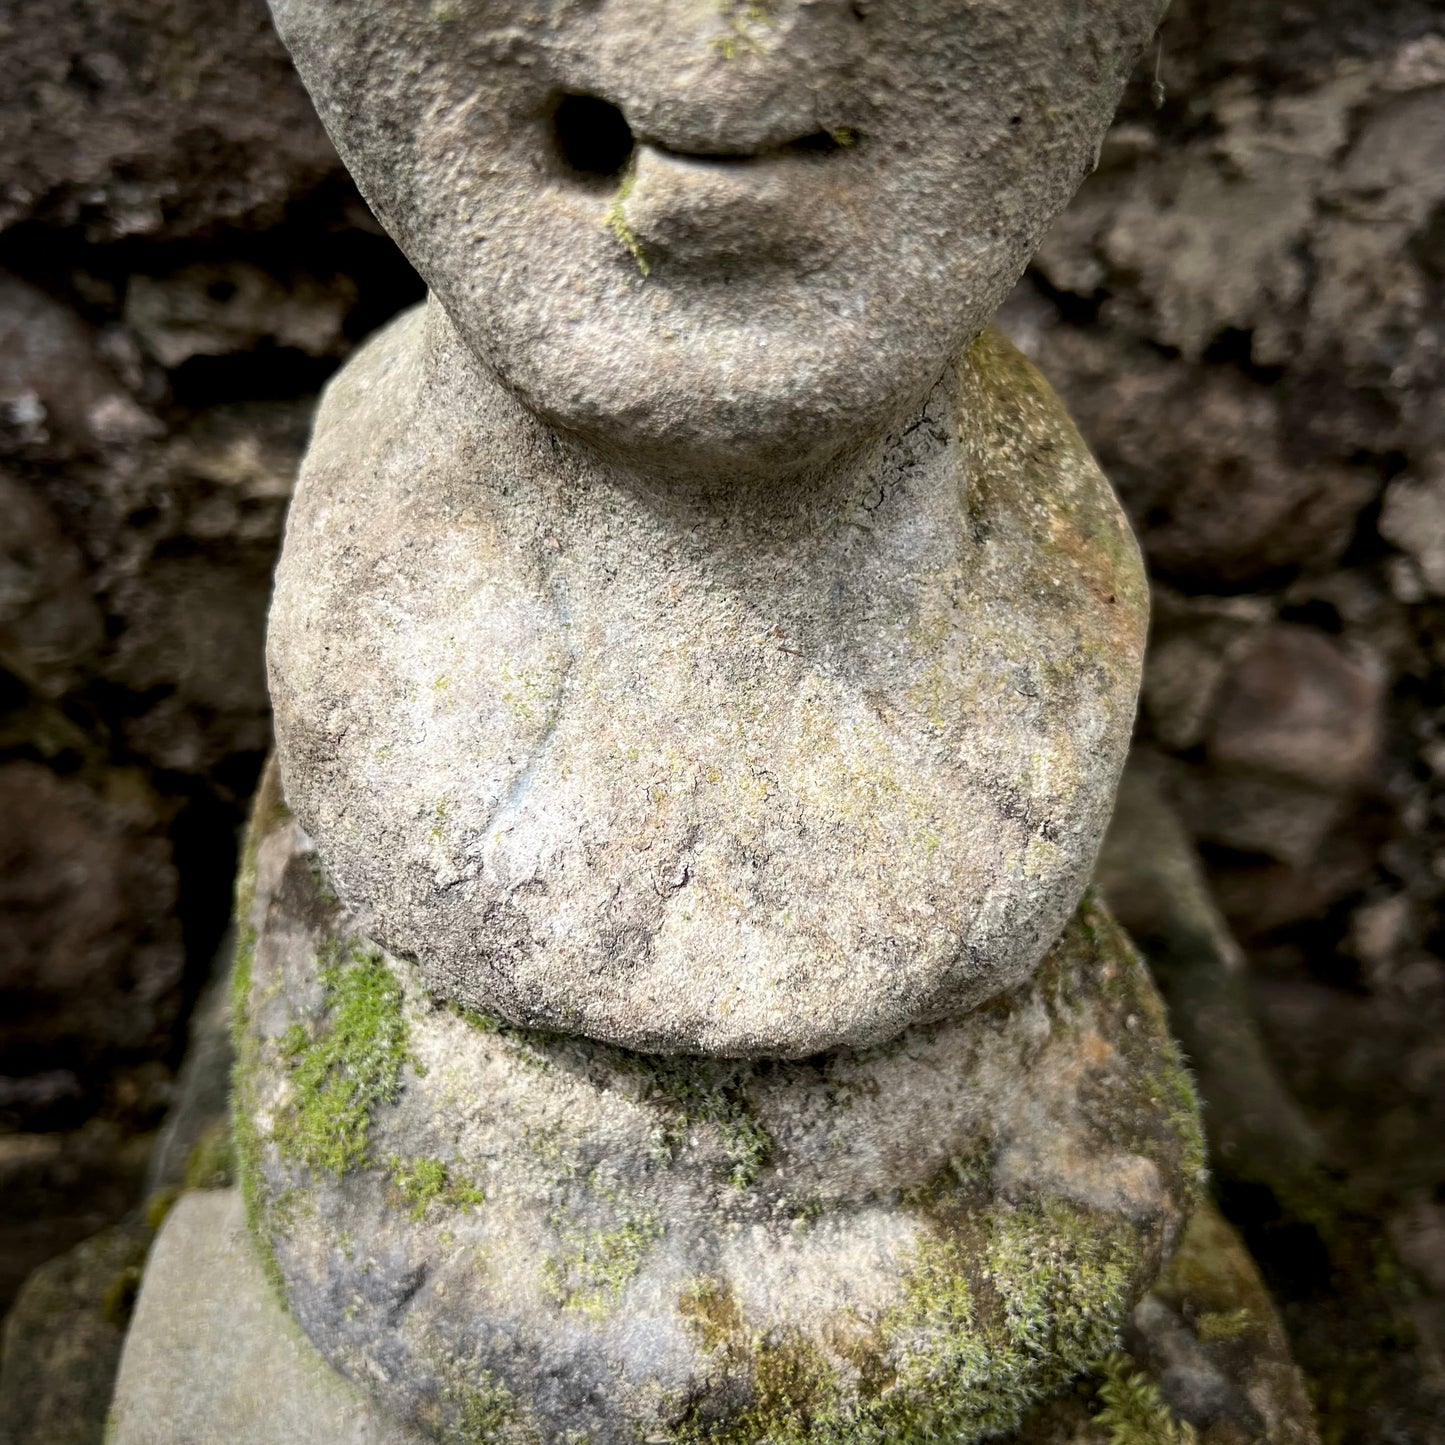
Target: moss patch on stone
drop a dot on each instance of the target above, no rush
(1000, 1305)
(422, 1182)
(705, 1092)
(347, 1066)
(687, 1092)
(483, 1411)
(595, 1265)
(617, 222)
(1170, 1113)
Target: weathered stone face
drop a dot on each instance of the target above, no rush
(717, 232)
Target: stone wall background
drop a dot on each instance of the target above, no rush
(1243, 310)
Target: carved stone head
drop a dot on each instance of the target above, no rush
(737, 232)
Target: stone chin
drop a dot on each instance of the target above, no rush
(733, 375)
(755, 402)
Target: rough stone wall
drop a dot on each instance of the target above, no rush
(1244, 312)
(182, 263)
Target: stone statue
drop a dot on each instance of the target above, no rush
(703, 658)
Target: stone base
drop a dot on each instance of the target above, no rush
(212, 1357)
(507, 1235)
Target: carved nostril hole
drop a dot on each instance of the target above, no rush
(591, 137)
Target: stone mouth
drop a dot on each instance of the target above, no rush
(593, 142)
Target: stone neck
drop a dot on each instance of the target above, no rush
(844, 484)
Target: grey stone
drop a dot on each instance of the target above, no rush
(565, 1239)
(89, 943)
(1230, 1358)
(150, 117)
(1413, 518)
(212, 1357)
(209, 310)
(754, 772)
(828, 200)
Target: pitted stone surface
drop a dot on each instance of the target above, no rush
(540, 1238)
(758, 771)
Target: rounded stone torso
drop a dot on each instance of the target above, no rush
(510, 1236)
(751, 774)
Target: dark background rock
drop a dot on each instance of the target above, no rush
(1245, 311)
(182, 264)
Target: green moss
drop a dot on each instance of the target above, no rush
(616, 220)
(703, 1092)
(424, 1182)
(595, 1265)
(1170, 1118)
(349, 1066)
(689, 1092)
(1133, 1412)
(211, 1164)
(484, 1411)
(792, 1386)
(265, 1214)
(999, 1307)
(711, 1311)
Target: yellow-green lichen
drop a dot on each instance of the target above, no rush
(1222, 1325)
(595, 1265)
(422, 1182)
(345, 1066)
(616, 221)
(740, 19)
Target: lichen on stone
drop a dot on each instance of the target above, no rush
(594, 1266)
